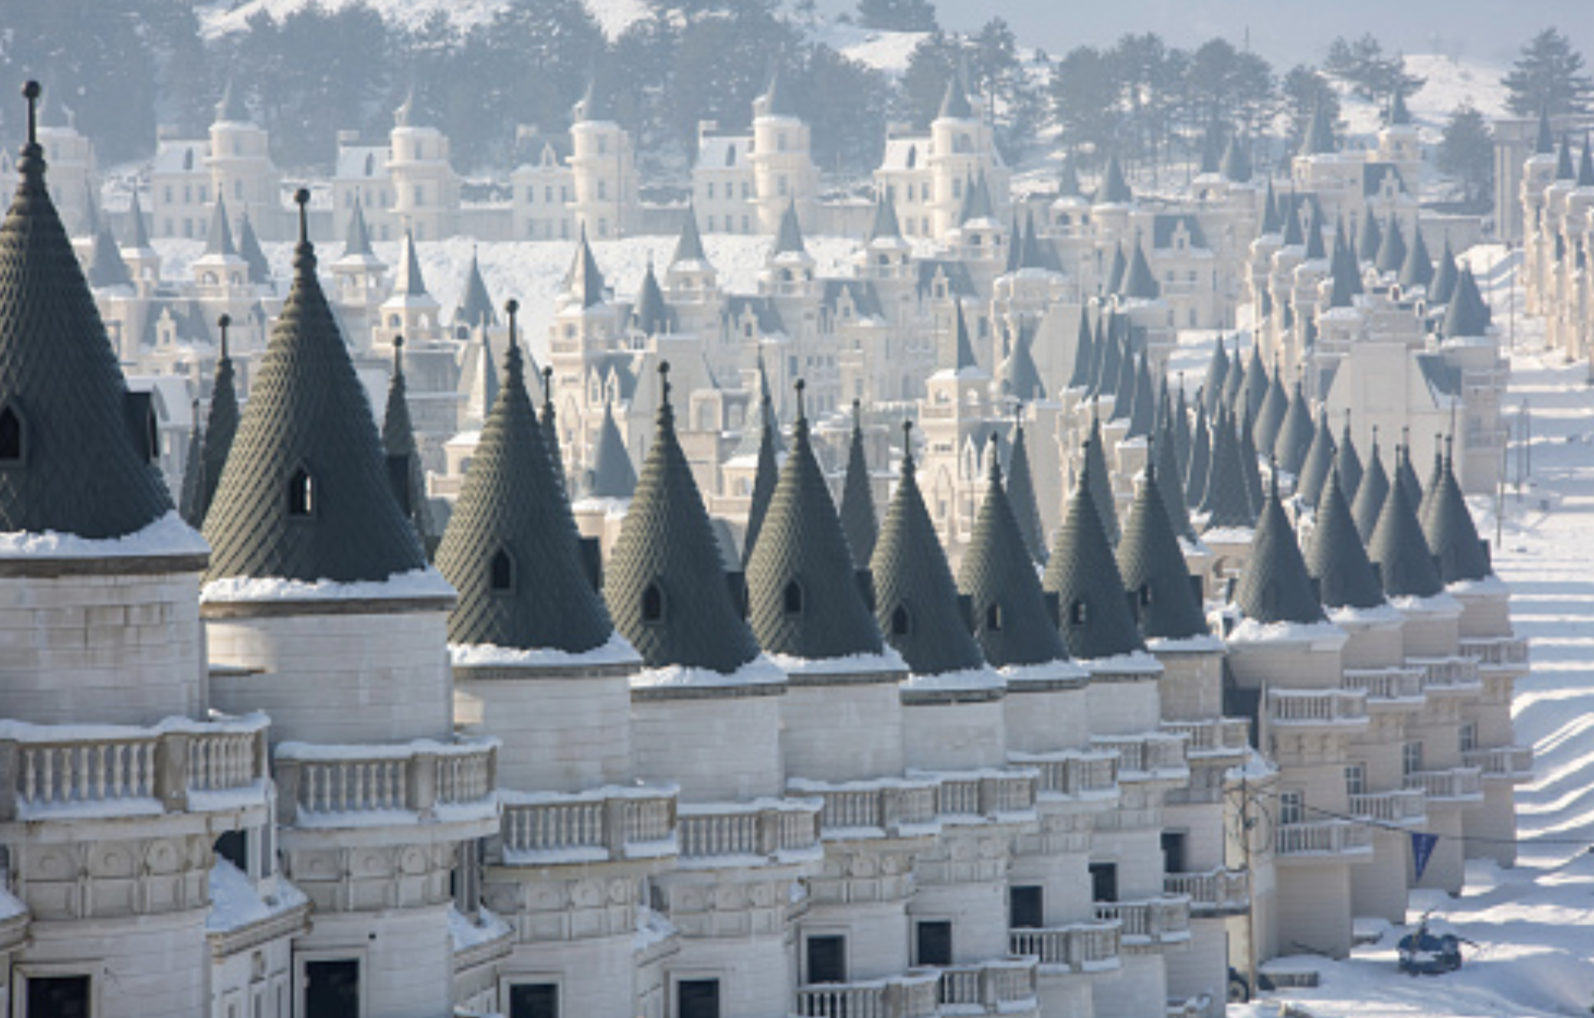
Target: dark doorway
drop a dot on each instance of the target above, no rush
(827, 959)
(1173, 860)
(1025, 908)
(697, 998)
(332, 988)
(1104, 881)
(58, 997)
(534, 1000)
(934, 943)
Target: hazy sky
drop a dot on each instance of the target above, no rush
(1285, 31)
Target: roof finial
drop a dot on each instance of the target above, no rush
(511, 307)
(547, 386)
(664, 383)
(1273, 476)
(31, 92)
(907, 443)
(800, 385)
(398, 356)
(224, 323)
(301, 198)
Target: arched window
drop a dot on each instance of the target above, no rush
(501, 573)
(993, 617)
(1144, 595)
(301, 493)
(652, 605)
(901, 621)
(792, 598)
(10, 436)
(1077, 614)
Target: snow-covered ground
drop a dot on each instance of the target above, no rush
(1533, 925)
(223, 17)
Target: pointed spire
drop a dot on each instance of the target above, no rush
(1233, 382)
(221, 426)
(1431, 490)
(1142, 418)
(665, 585)
(1271, 220)
(78, 467)
(998, 576)
(404, 470)
(1068, 180)
(1417, 270)
(1294, 438)
(1236, 165)
(1084, 353)
(476, 306)
(1275, 404)
(1445, 276)
(1319, 138)
(584, 282)
(1113, 188)
(764, 479)
(308, 423)
(1093, 611)
(140, 237)
(789, 238)
(1031, 255)
(1315, 252)
(1123, 388)
(776, 98)
(857, 496)
(511, 547)
(218, 239)
(689, 245)
(1118, 268)
(1451, 534)
(1015, 245)
(1100, 482)
(1319, 462)
(231, 109)
(106, 267)
(1467, 315)
(916, 601)
(1392, 252)
(1545, 145)
(1171, 487)
(1405, 565)
(963, 349)
(191, 501)
(596, 102)
(410, 282)
(612, 475)
(1021, 496)
(1349, 463)
(1405, 474)
(803, 597)
(1371, 493)
(1345, 280)
(1021, 379)
(1399, 115)
(885, 225)
(650, 315)
(550, 429)
(250, 251)
(1336, 557)
(1217, 374)
(1257, 381)
(1250, 459)
(1369, 237)
(1153, 566)
(1563, 164)
(358, 239)
(1294, 229)
(1141, 283)
(1195, 471)
(1275, 585)
(1227, 499)
(955, 101)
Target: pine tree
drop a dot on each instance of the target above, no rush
(1548, 76)
(1085, 96)
(1467, 151)
(898, 15)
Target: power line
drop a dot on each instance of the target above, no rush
(1389, 826)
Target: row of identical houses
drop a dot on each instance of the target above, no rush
(1091, 707)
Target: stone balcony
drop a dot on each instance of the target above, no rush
(1004, 986)
(1213, 738)
(887, 808)
(1147, 756)
(1219, 891)
(983, 797)
(427, 781)
(91, 771)
(599, 825)
(1511, 763)
(1395, 688)
(1074, 776)
(1454, 676)
(1453, 786)
(1321, 840)
(1155, 923)
(1075, 949)
(761, 832)
(1311, 709)
(915, 994)
(1401, 806)
(1506, 653)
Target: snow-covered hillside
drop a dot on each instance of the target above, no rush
(226, 16)
(1450, 83)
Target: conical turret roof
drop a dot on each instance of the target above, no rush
(1336, 557)
(1369, 236)
(955, 101)
(1445, 276)
(1319, 462)
(1084, 353)
(885, 225)
(612, 475)
(1398, 115)
(1068, 180)
(358, 239)
(666, 586)
(1275, 586)
(584, 282)
(1233, 383)
(1021, 496)
(1345, 280)
(1181, 433)
(140, 238)
(405, 473)
(1319, 138)
(596, 102)
(916, 602)
(1563, 163)
(550, 429)
(1217, 375)
(777, 98)
(221, 426)
(1294, 438)
(1021, 379)
(1451, 534)
(1406, 475)
(1227, 499)
(765, 476)
(1272, 224)
(1294, 228)
(789, 238)
(1417, 270)
(1371, 494)
(963, 348)
(1392, 251)
(1405, 565)
(77, 467)
(1236, 165)
(1275, 404)
(1141, 283)
(250, 251)
(1122, 387)
(1113, 189)
(1142, 416)
(106, 267)
(998, 576)
(1467, 314)
(1100, 486)
(1250, 460)
(1545, 145)
(1116, 269)
(1585, 166)
(767, 424)
(305, 493)
(1171, 487)
(1153, 567)
(1348, 464)
(410, 281)
(218, 238)
(689, 245)
(511, 548)
(1093, 609)
(1195, 472)
(651, 316)
(231, 108)
(802, 592)
(475, 307)
(1315, 252)
(191, 500)
(857, 497)
(1257, 381)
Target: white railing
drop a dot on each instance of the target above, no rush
(1448, 674)
(1215, 890)
(1145, 754)
(321, 784)
(1501, 761)
(600, 825)
(1401, 806)
(1310, 707)
(1382, 685)
(914, 995)
(1073, 772)
(1459, 783)
(1081, 947)
(1163, 920)
(982, 796)
(1214, 737)
(992, 986)
(766, 828)
(880, 807)
(1498, 652)
(1323, 837)
(171, 766)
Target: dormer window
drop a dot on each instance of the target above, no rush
(1143, 595)
(301, 494)
(993, 618)
(652, 605)
(1077, 613)
(901, 621)
(501, 573)
(11, 437)
(792, 599)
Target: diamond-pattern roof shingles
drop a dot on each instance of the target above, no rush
(1094, 612)
(1275, 585)
(1336, 557)
(1152, 565)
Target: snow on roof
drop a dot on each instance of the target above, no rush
(417, 584)
(616, 651)
(760, 671)
(724, 152)
(361, 162)
(167, 536)
(236, 902)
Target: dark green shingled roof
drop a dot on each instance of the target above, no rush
(789, 238)
(1021, 379)
(767, 424)
(1011, 620)
(1271, 223)
(106, 267)
(1294, 438)
(308, 437)
(1084, 353)
(667, 559)
(955, 102)
(1181, 432)
(135, 214)
(689, 246)
(358, 239)
(612, 475)
(1255, 388)
(1563, 165)
(1336, 557)
(1141, 283)
(1021, 496)
(1345, 279)
(81, 470)
(1467, 314)
(1233, 383)
(1370, 494)
(885, 225)
(1315, 252)
(1113, 188)
(1405, 565)
(651, 315)
(1170, 486)
(1451, 534)
(218, 238)
(1444, 280)
(1217, 374)
(509, 507)
(475, 307)
(405, 473)
(1033, 255)
(803, 595)
(1319, 137)
(1275, 586)
(1369, 237)
(1236, 164)
(1116, 269)
(963, 349)
(1195, 471)
(765, 477)
(1226, 500)
(1100, 486)
(1545, 144)
(1430, 491)
(857, 496)
(1418, 267)
(191, 499)
(1349, 463)
(550, 429)
(1093, 610)
(1250, 460)
(1153, 567)
(584, 280)
(249, 250)
(1275, 404)
(1144, 413)
(1392, 251)
(1294, 229)
(1407, 475)
(1109, 359)
(221, 426)
(1122, 387)
(1319, 462)
(977, 203)
(916, 602)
